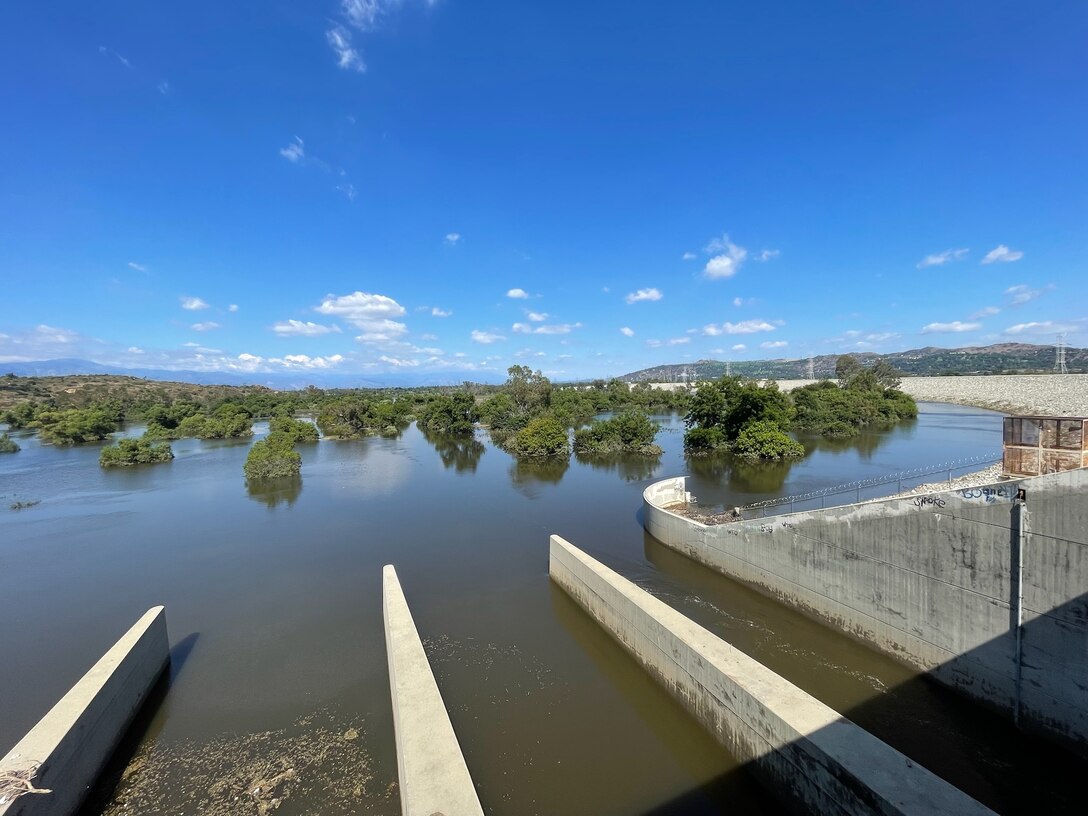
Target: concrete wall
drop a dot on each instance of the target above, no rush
(935, 581)
(804, 750)
(433, 776)
(71, 744)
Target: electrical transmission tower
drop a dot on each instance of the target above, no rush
(812, 368)
(728, 369)
(1059, 356)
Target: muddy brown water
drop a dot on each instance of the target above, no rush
(273, 601)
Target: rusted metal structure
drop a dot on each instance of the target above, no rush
(1034, 445)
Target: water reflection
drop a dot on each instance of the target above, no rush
(462, 453)
(273, 492)
(631, 466)
(530, 475)
(865, 444)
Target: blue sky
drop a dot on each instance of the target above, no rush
(452, 187)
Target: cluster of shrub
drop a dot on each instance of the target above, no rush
(275, 457)
(753, 421)
(7, 444)
(129, 452)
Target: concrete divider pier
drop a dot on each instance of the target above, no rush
(433, 776)
(67, 749)
(805, 751)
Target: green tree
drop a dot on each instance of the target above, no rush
(719, 410)
(763, 440)
(631, 432)
(129, 452)
(293, 429)
(272, 458)
(7, 444)
(449, 414)
(530, 390)
(542, 436)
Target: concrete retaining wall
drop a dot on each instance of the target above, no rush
(943, 582)
(804, 750)
(433, 776)
(71, 744)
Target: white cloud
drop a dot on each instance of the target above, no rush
(941, 258)
(294, 152)
(537, 317)
(371, 313)
(163, 87)
(1003, 254)
(767, 254)
(556, 328)
(517, 294)
(739, 347)
(728, 260)
(644, 294)
(233, 307)
(347, 56)
(364, 14)
(626, 332)
(108, 52)
(436, 312)
(738, 301)
(193, 303)
(954, 326)
(298, 328)
(1043, 327)
(1022, 293)
(675, 341)
(774, 344)
(986, 311)
(486, 337)
(137, 267)
(688, 256)
(399, 362)
(205, 326)
(348, 189)
(744, 327)
(134, 350)
(295, 361)
(452, 238)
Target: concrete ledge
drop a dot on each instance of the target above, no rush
(433, 776)
(68, 748)
(802, 749)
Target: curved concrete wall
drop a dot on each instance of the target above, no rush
(943, 582)
(807, 753)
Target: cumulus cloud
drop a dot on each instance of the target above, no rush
(371, 313)
(744, 327)
(767, 254)
(1002, 254)
(688, 256)
(452, 238)
(773, 344)
(644, 294)
(626, 332)
(726, 260)
(436, 312)
(517, 294)
(537, 317)
(739, 347)
(296, 361)
(348, 57)
(193, 303)
(399, 362)
(675, 341)
(941, 258)
(954, 326)
(986, 311)
(298, 328)
(134, 350)
(207, 325)
(487, 338)
(294, 152)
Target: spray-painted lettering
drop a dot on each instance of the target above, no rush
(988, 494)
(922, 501)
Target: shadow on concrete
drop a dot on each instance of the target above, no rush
(978, 750)
(142, 726)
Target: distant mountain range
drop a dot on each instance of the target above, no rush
(286, 381)
(1012, 358)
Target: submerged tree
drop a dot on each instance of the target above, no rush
(129, 452)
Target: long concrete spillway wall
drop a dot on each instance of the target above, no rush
(805, 751)
(64, 753)
(987, 594)
(430, 766)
